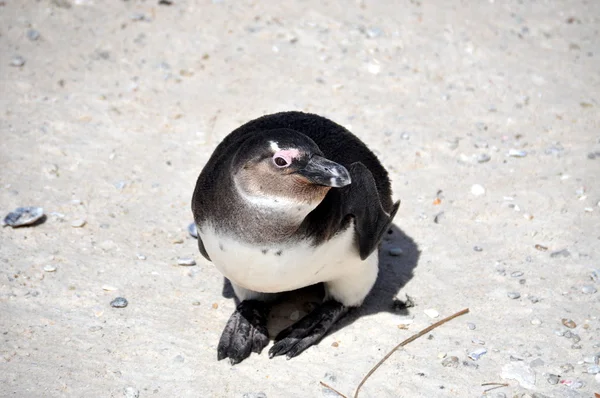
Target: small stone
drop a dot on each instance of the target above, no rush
(335, 344)
(196, 303)
(49, 268)
(442, 355)
(33, 34)
(254, 395)
(516, 153)
(534, 299)
(595, 275)
(109, 288)
(483, 158)
(477, 248)
(78, 223)
(450, 362)
(588, 289)
(541, 248)
(215, 306)
(179, 358)
(477, 190)
(405, 136)
(516, 274)
(560, 253)
(95, 328)
(593, 370)
(193, 230)
(17, 60)
(567, 367)
(471, 326)
(438, 217)
(119, 302)
(475, 355)
(430, 312)
(536, 321)
(140, 257)
(186, 261)
(22, 216)
(553, 379)
(295, 315)
(569, 323)
(396, 251)
(131, 392)
(513, 295)
(477, 341)
(592, 359)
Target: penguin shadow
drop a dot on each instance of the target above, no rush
(394, 273)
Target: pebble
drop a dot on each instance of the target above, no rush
(80, 222)
(534, 299)
(33, 34)
(536, 322)
(516, 274)
(483, 157)
(295, 315)
(552, 379)
(560, 253)
(593, 370)
(254, 395)
(109, 288)
(119, 302)
(23, 216)
(193, 230)
(430, 312)
(49, 268)
(438, 217)
(95, 328)
(516, 153)
(541, 248)
(567, 367)
(17, 60)
(140, 257)
(471, 326)
(513, 295)
(588, 289)
(179, 358)
(450, 362)
(569, 323)
(520, 372)
(130, 392)
(477, 248)
(477, 190)
(396, 251)
(187, 261)
(477, 341)
(592, 359)
(475, 355)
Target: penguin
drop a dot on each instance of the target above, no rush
(286, 201)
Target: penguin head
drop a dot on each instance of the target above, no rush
(285, 168)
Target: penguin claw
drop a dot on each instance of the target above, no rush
(307, 331)
(245, 332)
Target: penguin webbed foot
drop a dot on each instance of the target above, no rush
(245, 332)
(307, 331)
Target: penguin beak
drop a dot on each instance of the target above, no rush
(322, 171)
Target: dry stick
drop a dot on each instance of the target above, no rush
(333, 389)
(497, 385)
(405, 342)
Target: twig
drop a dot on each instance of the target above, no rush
(333, 389)
(496, 385)
(405, 342)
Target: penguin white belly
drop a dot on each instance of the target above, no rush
(289, 266)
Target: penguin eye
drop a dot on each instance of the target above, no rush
(280, 161)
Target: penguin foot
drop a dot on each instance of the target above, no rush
(245, 332)
(308, 330)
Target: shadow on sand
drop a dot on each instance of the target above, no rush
(394, 273)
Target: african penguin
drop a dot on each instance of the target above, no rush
(286, 201)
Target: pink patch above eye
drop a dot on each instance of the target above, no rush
(287, 154)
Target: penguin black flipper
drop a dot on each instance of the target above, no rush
(202, 248)
(361, 200)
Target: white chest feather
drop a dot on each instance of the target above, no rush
(283, 267)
